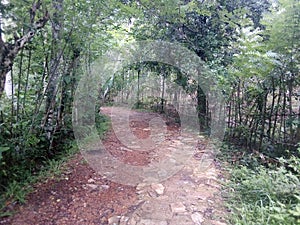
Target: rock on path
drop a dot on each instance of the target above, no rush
(191, 197)
(82, 196)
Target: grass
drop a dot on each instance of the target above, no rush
(257, 194)
(103, 124)
(17, 190)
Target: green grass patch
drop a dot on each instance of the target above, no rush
(103, 124)
(259, 194)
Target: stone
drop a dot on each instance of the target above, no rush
(132, 221)
(92, 186)
(153, 194)
(114, 220)
(125, 149)
(124, 220)
(141, 192)
(141, 186)
(197, 218)
(91, 180)
(181, 220)
(152, 222)
(178, 207)
(158, 188)
(192, 208)
(156, 210)
(105, 187)
(217, 223)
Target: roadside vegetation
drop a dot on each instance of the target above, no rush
(250, 47)
(259, 190)
(22, 176)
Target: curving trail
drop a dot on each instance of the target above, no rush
(179, 183)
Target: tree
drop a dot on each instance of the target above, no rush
(9, 50)
(207, 28)
(265, 77)
(36, 118)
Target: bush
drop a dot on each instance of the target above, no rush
(265, 195)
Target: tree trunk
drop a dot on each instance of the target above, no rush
(138, 87)
(9, 51)
(162, 99)
(202, 108)
(66, 99)
(54, 72)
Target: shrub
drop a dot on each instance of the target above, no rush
(265, 195)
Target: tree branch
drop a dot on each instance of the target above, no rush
(20, 43)
(9, 51)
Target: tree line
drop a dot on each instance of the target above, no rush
(251, 46)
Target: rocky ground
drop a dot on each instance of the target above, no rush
(183, 186)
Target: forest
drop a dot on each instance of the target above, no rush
(250, 47)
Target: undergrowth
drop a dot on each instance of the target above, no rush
(19, 178)
(18, 188)
(262, 193)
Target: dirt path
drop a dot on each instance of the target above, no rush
(83, 196)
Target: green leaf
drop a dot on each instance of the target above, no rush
(3, 149)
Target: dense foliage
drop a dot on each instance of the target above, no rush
(251, 47)
(264, 109)
(260, 192)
